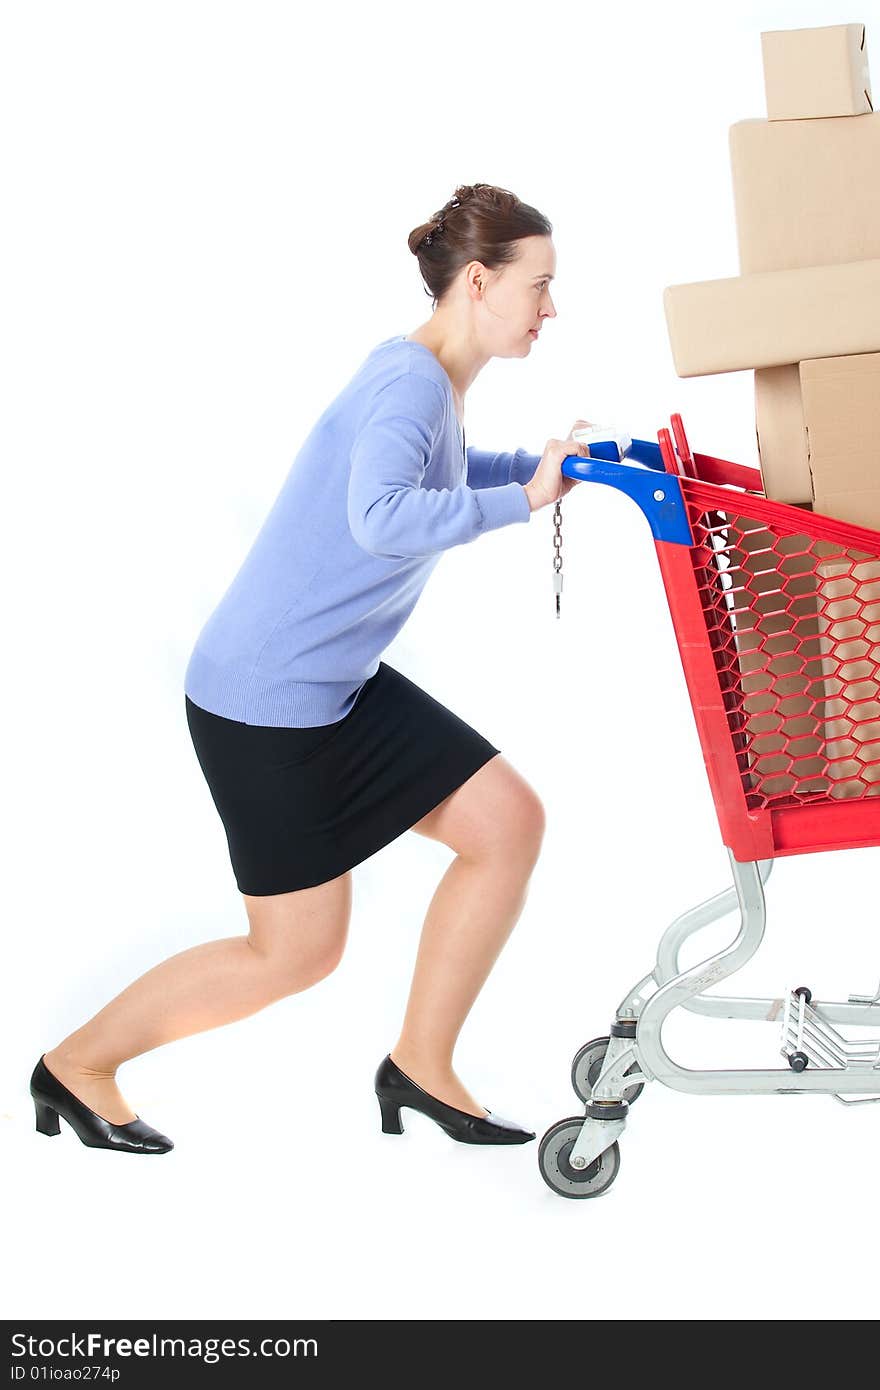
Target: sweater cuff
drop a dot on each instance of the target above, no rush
(502, 505)
(524, 466)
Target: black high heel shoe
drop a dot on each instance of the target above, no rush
(52, 1098)
(395, 1089)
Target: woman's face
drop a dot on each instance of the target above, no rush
(516, 299)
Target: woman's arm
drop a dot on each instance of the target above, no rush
(390, 514)
(488, 469)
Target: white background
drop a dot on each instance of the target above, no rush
(207, 208)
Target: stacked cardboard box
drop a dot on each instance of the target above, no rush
(778, 635)
(805, 314)
(841, 402)
(816, 72)
(841, 407)
(773, 318)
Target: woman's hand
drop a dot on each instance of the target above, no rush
(548, 483)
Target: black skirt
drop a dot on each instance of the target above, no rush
(302, 806)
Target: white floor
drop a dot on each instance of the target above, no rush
(283, 1199)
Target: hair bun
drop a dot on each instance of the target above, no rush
(481, 221)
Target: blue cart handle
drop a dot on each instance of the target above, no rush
(659, 498)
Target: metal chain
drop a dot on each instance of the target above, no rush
(557, 553)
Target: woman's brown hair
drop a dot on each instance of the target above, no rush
(479, 223)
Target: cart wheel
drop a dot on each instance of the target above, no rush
(558, 1173)
(807, 993)
(799, 1061)
(586, 1067)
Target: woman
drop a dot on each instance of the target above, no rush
(316, 752)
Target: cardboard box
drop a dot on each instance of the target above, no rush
(808, 647)
(806, 192)
(849, 597)
(816, 72)
(780, 656)
(841, 403)
(775, 318)
(782, 435)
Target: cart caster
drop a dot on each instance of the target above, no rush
(799, 1061)
(586, 1067)
(558, 1173)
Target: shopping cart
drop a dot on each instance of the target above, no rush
(776, 612)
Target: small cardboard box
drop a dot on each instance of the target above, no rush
(782, 435)
(775, 318)
(806, 193)
(841, 403)
(812, 73)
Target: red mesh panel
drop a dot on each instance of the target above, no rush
(794, 626)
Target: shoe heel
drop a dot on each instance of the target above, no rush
(390, 1116)
(47, 1118)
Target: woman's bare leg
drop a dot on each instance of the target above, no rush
(496, 823)
(295, 940)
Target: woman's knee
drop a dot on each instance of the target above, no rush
(530, 819)
(301, 935)
(496, 811)
(515, 832)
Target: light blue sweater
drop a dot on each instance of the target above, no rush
(381, 487)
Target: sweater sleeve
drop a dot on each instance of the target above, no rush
(390, 514)
(487, 469)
